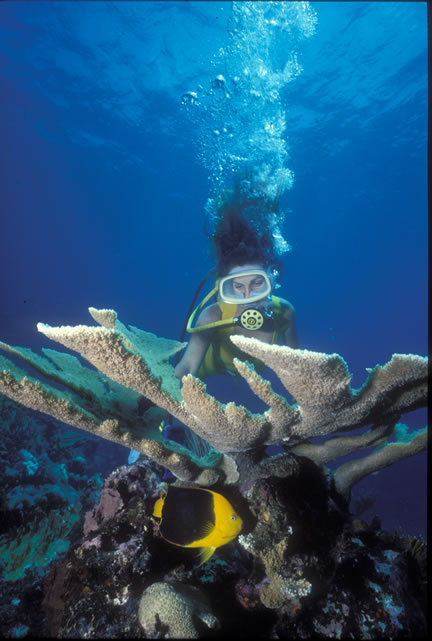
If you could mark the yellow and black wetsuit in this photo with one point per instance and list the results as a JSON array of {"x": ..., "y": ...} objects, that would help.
[{"x": 220, "y": 354}]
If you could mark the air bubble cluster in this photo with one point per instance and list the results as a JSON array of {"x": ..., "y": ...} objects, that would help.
[{"x": 240, "y": 118}]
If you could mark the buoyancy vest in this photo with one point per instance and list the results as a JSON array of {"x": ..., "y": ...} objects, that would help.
[{"x": 221, "y": 352}]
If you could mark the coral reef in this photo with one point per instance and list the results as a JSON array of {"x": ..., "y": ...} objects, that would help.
[
  {"x": 320, "y": 384},
  {"x": 109, "y": 407},
  {"x": 303, "y": 566},
  {"x": 327, "y": 576},
  {"x": 49, "y": 476},
  {"x": 174, "y": 609},
  {"x": 45, "y": 487},
  {"x": 116, "y": 548},
  {"x": 42, "y": 540}
]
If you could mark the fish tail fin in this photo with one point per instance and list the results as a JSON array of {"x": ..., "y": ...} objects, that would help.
[{"x": 204, "y": 554}]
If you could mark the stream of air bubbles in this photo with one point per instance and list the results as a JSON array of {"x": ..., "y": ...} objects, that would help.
[{"x": 240, "y": 119}]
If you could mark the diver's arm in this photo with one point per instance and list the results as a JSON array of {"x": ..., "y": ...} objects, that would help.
[
  {"x": 290, "y": 334},
  {"x": 193, "y": 356},
  {"x": 195, "y": 351}
]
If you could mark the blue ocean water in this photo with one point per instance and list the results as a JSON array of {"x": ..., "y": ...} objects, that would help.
[{"x": 105, "y": 178}]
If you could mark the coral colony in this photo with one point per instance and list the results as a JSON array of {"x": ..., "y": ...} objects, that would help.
[{"x": 303, "y": 566}]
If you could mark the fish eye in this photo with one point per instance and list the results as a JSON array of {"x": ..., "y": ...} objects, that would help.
[{"x": 233, "y": 518}]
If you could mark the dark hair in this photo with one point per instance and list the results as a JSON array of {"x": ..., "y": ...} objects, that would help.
[{"x": 236, "y": 240}]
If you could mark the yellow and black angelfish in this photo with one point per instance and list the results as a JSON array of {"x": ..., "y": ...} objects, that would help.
[{"x": 196, "y": 518}]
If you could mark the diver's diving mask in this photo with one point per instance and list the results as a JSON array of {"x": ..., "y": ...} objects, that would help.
[
  {"x": 244, "y": 287},
  {"x": 240, "y": 287}
]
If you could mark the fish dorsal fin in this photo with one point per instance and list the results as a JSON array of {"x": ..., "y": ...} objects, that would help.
[{"x": 204, "y": 554}]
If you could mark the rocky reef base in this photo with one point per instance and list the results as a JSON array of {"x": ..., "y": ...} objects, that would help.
[{"x": 303, "y": 568}]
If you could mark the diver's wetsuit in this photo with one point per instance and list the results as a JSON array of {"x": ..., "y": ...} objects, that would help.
[{"x": 221, "y": 352}]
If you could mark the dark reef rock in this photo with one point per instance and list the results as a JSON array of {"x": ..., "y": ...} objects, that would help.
[
  {"x": 302, "y": 568},
  {"x": 82, "y": 561}
]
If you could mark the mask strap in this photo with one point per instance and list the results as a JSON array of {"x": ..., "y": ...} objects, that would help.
[{"x": 191, "y": 319}]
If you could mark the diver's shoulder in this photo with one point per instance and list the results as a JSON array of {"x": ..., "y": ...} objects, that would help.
[
  {"x": 286, "y": 307},
  {"x": 209, "y": 314}
]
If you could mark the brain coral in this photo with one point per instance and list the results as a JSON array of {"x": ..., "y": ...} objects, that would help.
[{"x": 175, "y": 607}]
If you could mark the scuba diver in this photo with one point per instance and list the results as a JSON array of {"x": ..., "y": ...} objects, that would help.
[{"x": 246, "y": 276}]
